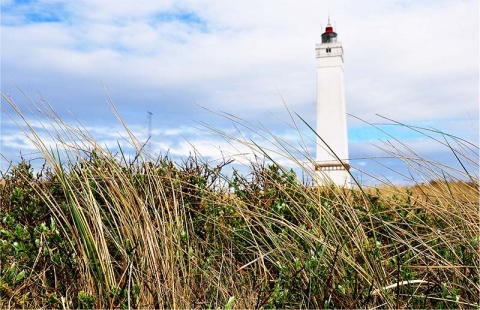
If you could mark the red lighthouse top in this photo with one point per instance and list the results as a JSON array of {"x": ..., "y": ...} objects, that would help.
[
  {"x": 329, "y": 28},
  {"x": 329, "y": 35}
]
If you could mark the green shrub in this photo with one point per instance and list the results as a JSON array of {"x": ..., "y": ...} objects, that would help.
[{"x": 98, "y": 230}]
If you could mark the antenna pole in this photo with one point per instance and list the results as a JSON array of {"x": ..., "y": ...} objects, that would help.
[{"x": 149, "y": 130}]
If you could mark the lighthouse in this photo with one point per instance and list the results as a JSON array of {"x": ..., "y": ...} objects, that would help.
[{"x": 331, "y": 165}]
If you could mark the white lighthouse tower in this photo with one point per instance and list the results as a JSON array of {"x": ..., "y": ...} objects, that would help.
[{"x": 332, "y": 153}]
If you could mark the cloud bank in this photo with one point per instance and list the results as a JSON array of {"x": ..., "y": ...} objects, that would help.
[{"x": 412, "y": 61}]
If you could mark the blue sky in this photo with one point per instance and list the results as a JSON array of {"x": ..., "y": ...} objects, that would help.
[{"x": 415, "y": 62}]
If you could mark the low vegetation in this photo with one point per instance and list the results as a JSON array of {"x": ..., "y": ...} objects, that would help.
[{"x": 96, "y": 229}]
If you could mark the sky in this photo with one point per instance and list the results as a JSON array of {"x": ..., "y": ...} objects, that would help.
[{"x": 198, "y": 65}]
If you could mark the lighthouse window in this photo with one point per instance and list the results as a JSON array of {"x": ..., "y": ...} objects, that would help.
[{"x": 329, "y": 50}]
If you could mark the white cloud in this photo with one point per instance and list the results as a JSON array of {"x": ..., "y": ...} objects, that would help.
[
  {"x": 424, "y": 61},
  {"x": 413, "y": 61}
]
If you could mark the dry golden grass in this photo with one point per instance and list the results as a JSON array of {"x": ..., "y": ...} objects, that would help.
[{"x": 143, "y": 234}]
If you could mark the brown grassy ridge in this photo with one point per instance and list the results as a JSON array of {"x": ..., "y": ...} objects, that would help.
[{"x": 95, "y": 229}]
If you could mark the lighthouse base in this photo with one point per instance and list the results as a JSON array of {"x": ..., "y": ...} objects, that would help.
[{"x": 328, "y": 173}]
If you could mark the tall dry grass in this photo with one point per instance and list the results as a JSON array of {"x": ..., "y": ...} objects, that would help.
[{"x": 151, "y": 233}]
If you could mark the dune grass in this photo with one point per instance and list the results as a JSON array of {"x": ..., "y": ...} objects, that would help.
[{"x": 98, "y": 229}]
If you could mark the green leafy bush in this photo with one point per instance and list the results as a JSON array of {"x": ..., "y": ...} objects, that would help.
[{"x": 93, "y": 229}]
